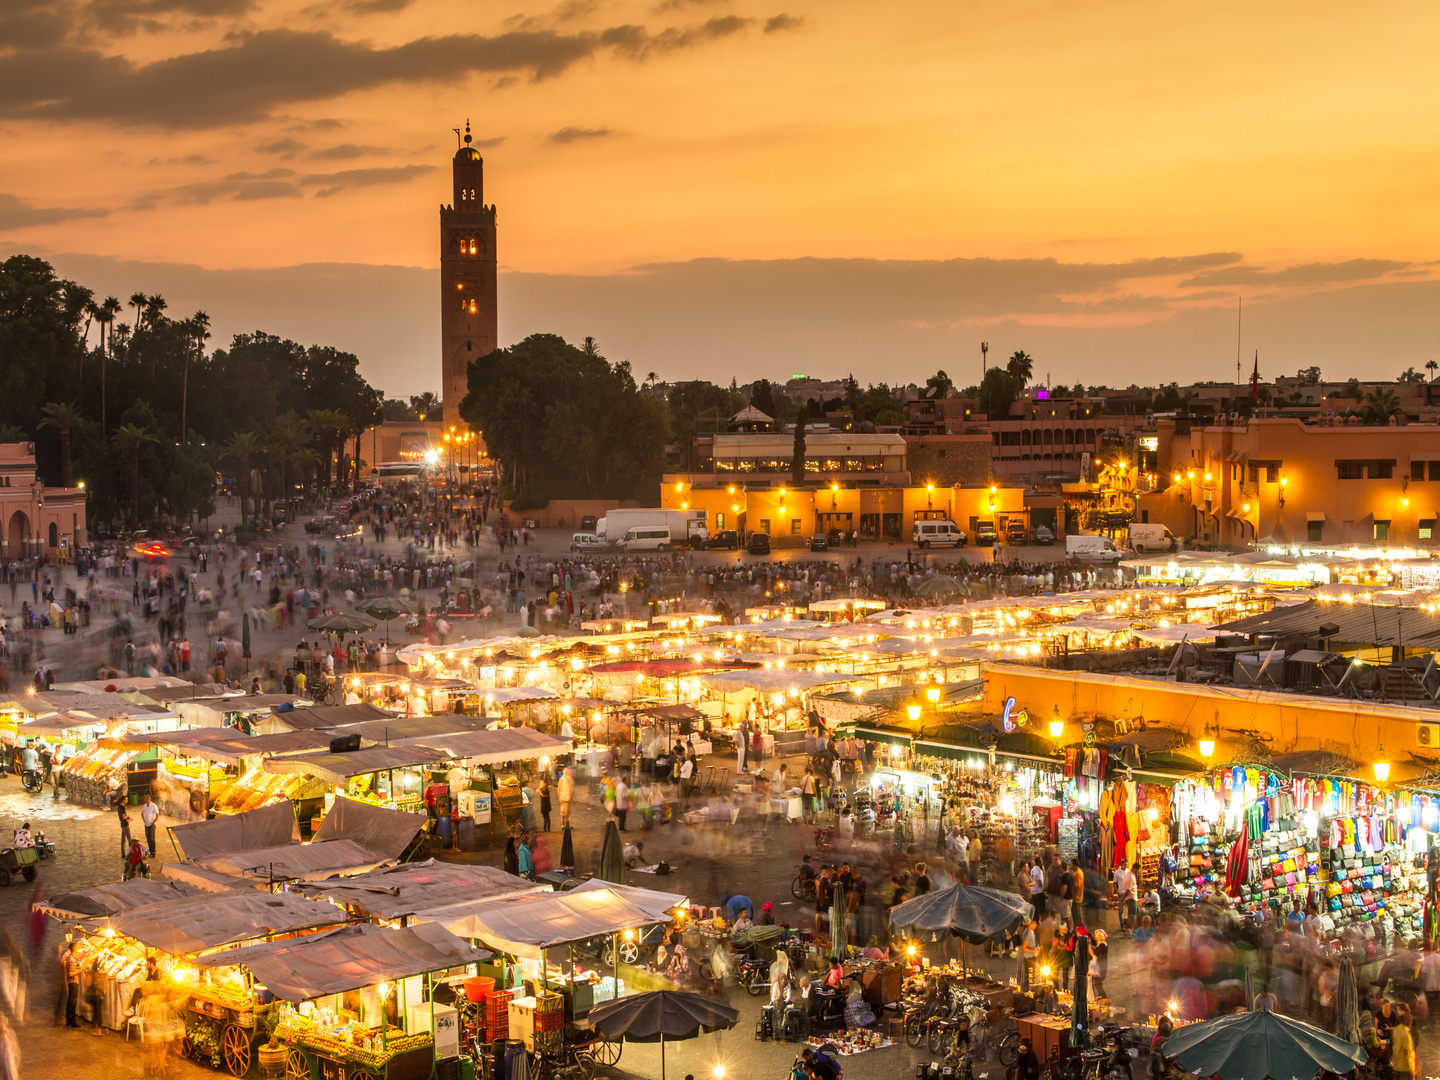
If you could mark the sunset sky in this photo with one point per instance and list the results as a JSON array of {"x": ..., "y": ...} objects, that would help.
[{"x": 754, "y": 187}]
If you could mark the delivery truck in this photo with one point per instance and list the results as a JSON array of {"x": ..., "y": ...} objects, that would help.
[{"x": 685, "y": 525}]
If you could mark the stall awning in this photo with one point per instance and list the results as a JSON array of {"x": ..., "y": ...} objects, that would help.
[
  {"x": 669, "y": 713},
  {"x": 657, "y": 904},
  {"x": 395, "y": 728},
  {"x": 295, "y": 861},
  {"x": 502, "y": 744},
  {"x": 320, "y": 716},
  {"x": 339, "y": 768},
  {"x": 194, "y": 924},
  {"x": 350, "y": 958},
  {"x": 517, "y": 695},
  {"x": 397, "y": 891},
  {"x": 883, "y": 733},
  {"x": 375, "y": 828},
  {"x": 771, "y": 681},
  {"x": 269, "y": 826},
  {"x": 114, "y": 898},
  {"x": 526, "y": 925}
]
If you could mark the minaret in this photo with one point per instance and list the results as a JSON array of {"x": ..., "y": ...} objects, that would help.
[{"x": 467, "y": 279}]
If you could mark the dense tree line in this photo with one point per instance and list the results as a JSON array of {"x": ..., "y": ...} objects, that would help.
[
  {"x": 564, "y": 422},
  {"x": 125, "y": 397}
]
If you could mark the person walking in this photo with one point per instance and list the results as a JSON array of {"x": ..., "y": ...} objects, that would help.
[
  {"x": 70, "y": 988},
  {"x": 149, "y": 812},
  {"x": 622, "y": 801},
  {"x": 544, "y": 792},
  {"x": 567, "y": 794},
  {"x": 123, "y": 814}
]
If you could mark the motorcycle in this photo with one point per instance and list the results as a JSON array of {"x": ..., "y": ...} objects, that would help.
[
  {"x": 824, "y": 839},
  {"x": 753, "y": 973}
]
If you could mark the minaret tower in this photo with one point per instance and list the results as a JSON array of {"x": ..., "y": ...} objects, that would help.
[{"x": 467, "y": 279}]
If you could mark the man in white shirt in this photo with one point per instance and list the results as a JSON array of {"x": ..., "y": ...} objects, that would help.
[
  {"x": 687, "y": 770},
  {"x": 1125, "y": 895},
  {"x": 566, "y": 793},
  {"x": 149, "y": 812},
  {"x": 622, "y": 801},
  {"x": 1037, "y": 887}
]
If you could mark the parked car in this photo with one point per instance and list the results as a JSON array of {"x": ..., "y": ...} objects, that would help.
[
  {"x": 586, "y": 541},
  {"x": 985, "y": 534},
  {"x": 943, "y": 533},
  {"x": 759, "y": 544},
  {"x": 1015, "y": 534},
  {"x": 725, "y": 538},
  {"x": 587, "y": 523},
  {"x": 1044, "y": 536},
  {"x": 1092, "y": 549},
  {"x": 819, "y": 543}
]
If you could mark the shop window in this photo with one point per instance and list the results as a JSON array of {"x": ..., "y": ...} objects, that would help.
[
  {"x": 1382, "y": 530},
  {"x": 1435, "y": 470},
  {"x": 795, "y": 524},
  {"x": 1382, "y": 470},
  {"x": 719, "y": 520},
  {"x": 765, "y": 525},
  {"x": 1427, "y": 528},
  {"x": 1272, "y": 474},
  {"x": 1417, "y": 470},
  {"x": 1350, "y": 470}
]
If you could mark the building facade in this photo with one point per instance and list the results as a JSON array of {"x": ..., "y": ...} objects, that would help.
[
  {"x": 35, "y": 519},
  {"x": 468, "y": 320},
  {"x": 1297, "y": 483}
]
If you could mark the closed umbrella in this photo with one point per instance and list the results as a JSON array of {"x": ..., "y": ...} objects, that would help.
[
  {"x": 1347, "y": 1004},
  {"x": 1080, "y": 1015},
  {"x": 658, "y": 1016},
  {"x": 612, "y": 855},
  {"x": 839, "y": 931},
  {"x": 245, "y": 638},
  {"x": 567, "y": 849},
  {"x": 1260, "y": 1046}
]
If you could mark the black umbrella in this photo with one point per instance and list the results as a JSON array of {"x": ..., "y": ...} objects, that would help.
[
  {"x": 567, "y": 849},
  {"x": 660, "y": 1015},
  {"x": 1260, "y": 1046},
  {"x": 342, "y": 623},
  {"x": 612, "y": 855},
  {"x": 386, "y": 608},
  {"x": 972, "y": 912}
]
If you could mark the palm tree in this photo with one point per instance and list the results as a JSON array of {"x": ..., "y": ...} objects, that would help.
[
  {"x": 306, "y": 459},
  {"x": 154, "y": 308},
  {"x": 198, "y": 329},
  {"x": 128, "y": 439},
  {"x": 288, "y": 436},
  {"x": 1021, "y": 366},
  {"x": 650, "y": 377},
  {"x": 1379, "y": 407},
  {"x": 590, "y": 347},
  {"x": 92, "y": 311},
  {"x": 1430, "y": 366},
  {"x": 328, "y": 425},
  {"x": 242, "y": 447},
  {"x": 64, "y": 417},
  {"x": 108, "y": 311},
  {"x": 138, "y": 301},
  {"x": 10, "y": 433}
]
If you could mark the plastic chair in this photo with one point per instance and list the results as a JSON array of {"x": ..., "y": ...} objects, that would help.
[{"x": 135, "y": 1021}]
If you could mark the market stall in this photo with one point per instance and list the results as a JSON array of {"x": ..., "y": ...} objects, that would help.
[{"x": 356, "y": 1002}]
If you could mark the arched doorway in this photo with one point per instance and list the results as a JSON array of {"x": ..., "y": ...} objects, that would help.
[
  {"x": 15, "y": 535},
  {"x": 54, "y": 535}
]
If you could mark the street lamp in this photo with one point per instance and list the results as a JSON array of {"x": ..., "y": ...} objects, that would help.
[
  {"x": 1381, "y": 766},
  {"x": 913, "y": 711},
  {"x": 1283, "y": 482},
  {"x": 1207, "y": 742},
  {"x": 930, "y": 496},
  {"x": 1057, "y": 726},
  {"x": 933, "y": 693}
]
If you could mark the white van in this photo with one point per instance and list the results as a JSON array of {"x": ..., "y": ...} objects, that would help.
[
  {"x": 1092, "y": 549},
  {"x": 586, "y": 541},
  {"x": 937, "y": 534},
  {"x": 647, "y": 538},
  {"x": 1145, "y": 538}
]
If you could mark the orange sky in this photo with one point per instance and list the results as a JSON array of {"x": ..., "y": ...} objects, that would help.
[{"x": 1297, "y": 138}]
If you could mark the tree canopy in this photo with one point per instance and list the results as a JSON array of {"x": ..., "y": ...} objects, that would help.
[
  {"x": 565, "y": 423},
  {"x": 150, "y": 372}
]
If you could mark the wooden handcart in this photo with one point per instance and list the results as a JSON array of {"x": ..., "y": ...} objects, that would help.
[{"x": 223, "y": 1026}]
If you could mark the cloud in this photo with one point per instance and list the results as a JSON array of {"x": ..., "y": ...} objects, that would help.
[
  {"x": 567, "y": 135},
  {"x": 34, "y": 24},
  {"x": 376, "y": 7},
  {"x": 336, "y": 182},
  {"x": 347, "y": 152},
  {"x": 323, "y": 124},
  {"x": 780, "y": 22},
  {"x": 256, "y": 73},
  {"x": 286, "y": 147},
  {"x": 681, "y": 5},
  {"x": 637, "y": 43},
  {"x": 277, "y": 183},
  {"x": 187, "y": 159},
  {"x": 890, "y": 322},
  {"x": 18, "y": 213},
  {"x": 1306, "y": 274},
  {"x": 485, "y": 144},
  {"x": 132, "y": 16}
]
